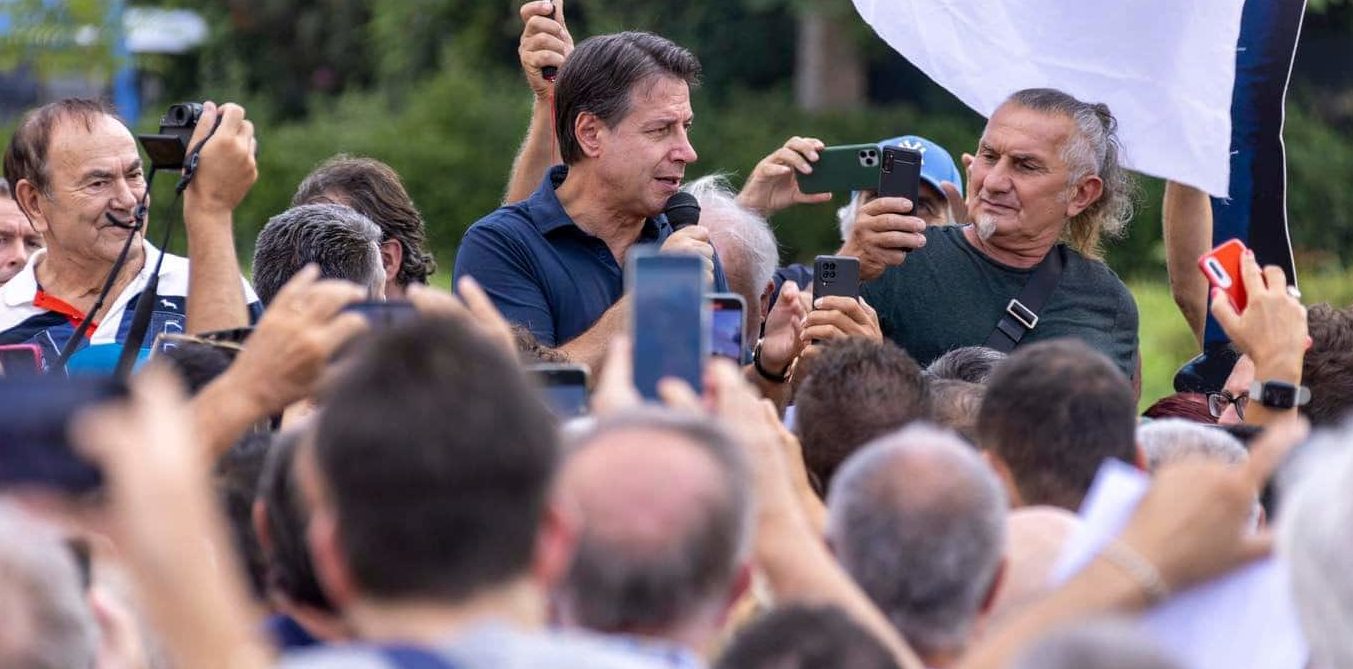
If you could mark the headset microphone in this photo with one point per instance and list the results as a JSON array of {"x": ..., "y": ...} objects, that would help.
[{"x": 134, "y": 225}]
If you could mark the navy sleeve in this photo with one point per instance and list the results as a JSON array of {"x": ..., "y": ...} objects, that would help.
[{"x": 502, "y": 267}]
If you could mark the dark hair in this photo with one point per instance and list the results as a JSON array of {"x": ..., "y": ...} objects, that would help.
[
  {"x": 1053, "y": 412},
  {"x": 1328, "y": 367},
  {"x": 601, "y": 74},
  {"x": 1188, "y": 406},
  {"x": 954, "y": 404},
  {"x": 973, "y": 364},
  {"x": 437, "y": 455},
  {"x": 198, "y": 363},
  {"x": 374, "y": 189},
  {"x": 289, "y": 568},
  {"x": 236, "y": 477},
  {"x": 856, "y": 389},
  {"x": 799, "y": 636},
  {"x": 337, "y": 238},
  {"x": 26, "y": 155},
  {"x": 621, "y": 580}
]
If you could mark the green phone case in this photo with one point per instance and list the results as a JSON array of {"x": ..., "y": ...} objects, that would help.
[{"x": 841, "y": 169}]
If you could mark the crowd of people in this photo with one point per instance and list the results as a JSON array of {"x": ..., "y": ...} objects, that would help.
[{"x": 884, "y": 481}]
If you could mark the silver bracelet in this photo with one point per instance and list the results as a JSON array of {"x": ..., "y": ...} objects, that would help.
[{"x": 1139, "y": 568}]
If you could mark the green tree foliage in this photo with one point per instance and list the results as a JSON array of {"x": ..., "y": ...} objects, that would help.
[{"x": 71, "y": 37}]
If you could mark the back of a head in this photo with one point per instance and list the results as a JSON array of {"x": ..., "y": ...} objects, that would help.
[
  {"x": 1098, "y": 645},
  {"x": 375, "y": 190},
  {"x": 1328, "y": 367},
  {"x": 343, "y": 243},
  {"x": 1052, "y": 413},
  {"x": 598, "y": 76},
  {"x": 805, "y": 637},
  {"x": 236, "y": 479},
  {"x": 918, "y": 520},
  {"x": 289, "y": 570},
  {"x": 1173, "y": 439},
  {"x": 1185, "y": 406},
  {"x": 437, "y": 455},
  {"x": 954, "y": 404},
  {"x": 661, "y": 544},
  {"x": 854, "y": 391},
  {"x": 974, "y": 364},
  {"x": 1314, "y": 543},
  {"x": 1035, "y": 537},
  {"x": 47, "y": 623}
]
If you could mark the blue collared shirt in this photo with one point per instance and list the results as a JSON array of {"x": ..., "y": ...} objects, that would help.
[{"x": 543, "y": 271}]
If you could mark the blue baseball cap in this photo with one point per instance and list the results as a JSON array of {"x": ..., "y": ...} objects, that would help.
[{"x": 936, "y": 163}]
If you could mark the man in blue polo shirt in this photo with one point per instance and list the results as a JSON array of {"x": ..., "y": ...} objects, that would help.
[{"x": 553, "y": 263}]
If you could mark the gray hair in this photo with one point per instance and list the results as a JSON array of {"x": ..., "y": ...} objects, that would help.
[
  {"x": 612, "y": 588},
  {"x": 918, "y": 520},
  {"x": 1098, "y": 645},
  {"x": 1170, "y": 440},
  {"x": 743, "y": 239},
  {"x": 1094, "y": 149},
  {"x": 845, "y": 216},
  {"x": 973, "y": 364},
  {"x": 1314, "y": 542},
  {"x": 40, "y": 584},
  {"x": 344, "y": 243}
]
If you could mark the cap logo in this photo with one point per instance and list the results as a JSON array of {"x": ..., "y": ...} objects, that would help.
[{"x": 913, "y": 145}]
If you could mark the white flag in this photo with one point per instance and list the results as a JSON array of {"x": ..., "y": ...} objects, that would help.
[{"x": 1164, "y": 67}]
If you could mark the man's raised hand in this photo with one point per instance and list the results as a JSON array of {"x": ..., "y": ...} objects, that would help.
[
  {"x": 545, "y": 42},
  {"x": 774, "y": 185}
]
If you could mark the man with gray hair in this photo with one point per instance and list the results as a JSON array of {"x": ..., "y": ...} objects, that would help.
[
  {"x": 47, "y": 622},
  {"x": 918, "y": 520},
  {"x": 344, "y": 243},
  {"x": 666, "y": 520},
  {"x": 745, "y": 244},
  {"x": 1173, "y": 439},
  {"x": 1044, "y": 189}
]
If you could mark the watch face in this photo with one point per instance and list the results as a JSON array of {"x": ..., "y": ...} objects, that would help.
[{"x": 1278, "y": 396}]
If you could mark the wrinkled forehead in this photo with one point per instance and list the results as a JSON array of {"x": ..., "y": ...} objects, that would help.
[
  {"x": 77, "y": 145},
  {"x": 12, "y": 219},
  {"x": 1014, "y": 128},
  {"x": 660, "y": 95}
]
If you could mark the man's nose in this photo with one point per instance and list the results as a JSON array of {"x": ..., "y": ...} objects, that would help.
[
  {"x": 685, "y": 152},
  {"x": 124, "y": 196}
]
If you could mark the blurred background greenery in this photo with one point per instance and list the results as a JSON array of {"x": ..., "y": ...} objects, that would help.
[{"x": 433, "y": 88}]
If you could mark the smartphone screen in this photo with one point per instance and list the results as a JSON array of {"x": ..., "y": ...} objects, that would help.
[
  {"x": 384, "y": 314},
  {"x": 19, "y": 360},
  {"x": 726, "y": 321},
  {"x": 34, "y": 416},
  {"x": 670, "y": 316},
  {"x": 565, "y": 388}
]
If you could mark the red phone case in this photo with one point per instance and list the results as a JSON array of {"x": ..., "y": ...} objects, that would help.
[{"x": 1221, "y": 266}]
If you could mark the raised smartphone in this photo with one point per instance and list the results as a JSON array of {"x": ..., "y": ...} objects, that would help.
[
  {"x": 1221, "y": 266},
  {"x": 18, "y": 360},
  {"x": 900, "y": 174},
  {"x": 842, "y": 169},
  {"x": 34, "y": 416},
  {"x": 670, "y": 319},
  {"x": 836, "y": 275},
  {"x": 726, "y": 323},
  {"x": 565, "y": 387}
]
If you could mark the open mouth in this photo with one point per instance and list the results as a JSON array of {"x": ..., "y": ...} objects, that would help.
[{"x": 674, "y": 182}]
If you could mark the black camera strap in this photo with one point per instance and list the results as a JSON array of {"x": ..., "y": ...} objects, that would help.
[{"x": 1021, "y": 314}]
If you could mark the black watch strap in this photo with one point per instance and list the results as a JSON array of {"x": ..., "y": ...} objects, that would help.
[{"x": 765, "y": 373}]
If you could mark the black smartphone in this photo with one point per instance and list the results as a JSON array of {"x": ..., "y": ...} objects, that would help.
[
  {"x": 836, "y": 275},
  {"x": 842, "y": 169},
  {"x": 34, "y": 416},
  {"x": 18, "y": 360},
  {"x": 565, "y": 387},
  {"x": 726, "y": 326},
  {"x": 670, "y": 318},
  {"x": 383, "y": 314},
  {"x": 900, "y": 175}
]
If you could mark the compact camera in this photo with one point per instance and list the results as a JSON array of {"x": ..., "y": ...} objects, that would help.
[{"x": 168, "y": 149}]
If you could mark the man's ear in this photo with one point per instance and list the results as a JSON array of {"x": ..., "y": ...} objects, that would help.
[
  {"x": 326, "y": 555},
  {"x": 556, "y": 540},
  {"x": 766, "y": 294},
  {"x": 392, "y": 256},
  {"x": 1007, "y": 477},
  {"x": 997, "y": 580},
  {"x": 589, "y": 131},
  {"x": 258, "y": 517},
  {"x": 29, "y": 199},
  {"x": 1085, "y": 193},
  {"x": 1139, "y": 459}
]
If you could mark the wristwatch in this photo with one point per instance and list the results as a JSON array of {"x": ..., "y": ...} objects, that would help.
[
  {"x": 1279, "y": 394},
  {"x": 766, "y": 373}
]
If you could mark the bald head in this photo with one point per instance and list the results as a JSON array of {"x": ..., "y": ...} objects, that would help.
[
  {"x": 1034, "y": 539},
  {"x": 665, "y": 513}
]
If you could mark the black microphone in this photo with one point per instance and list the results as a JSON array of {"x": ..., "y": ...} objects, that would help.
[
  {"x": 682, "y": 210},
  {"x": 134, "y": 225}
]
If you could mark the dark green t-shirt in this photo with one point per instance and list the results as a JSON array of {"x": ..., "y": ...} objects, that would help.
[{"x": 948, "y": 294}]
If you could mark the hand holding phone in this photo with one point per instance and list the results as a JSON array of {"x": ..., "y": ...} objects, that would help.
[
  {"x": 842, "y": 169},
  {"x": 727, "y": 325},
  {"x": 836, "y": 275},
  {"x": 1221, "y": 266}
]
